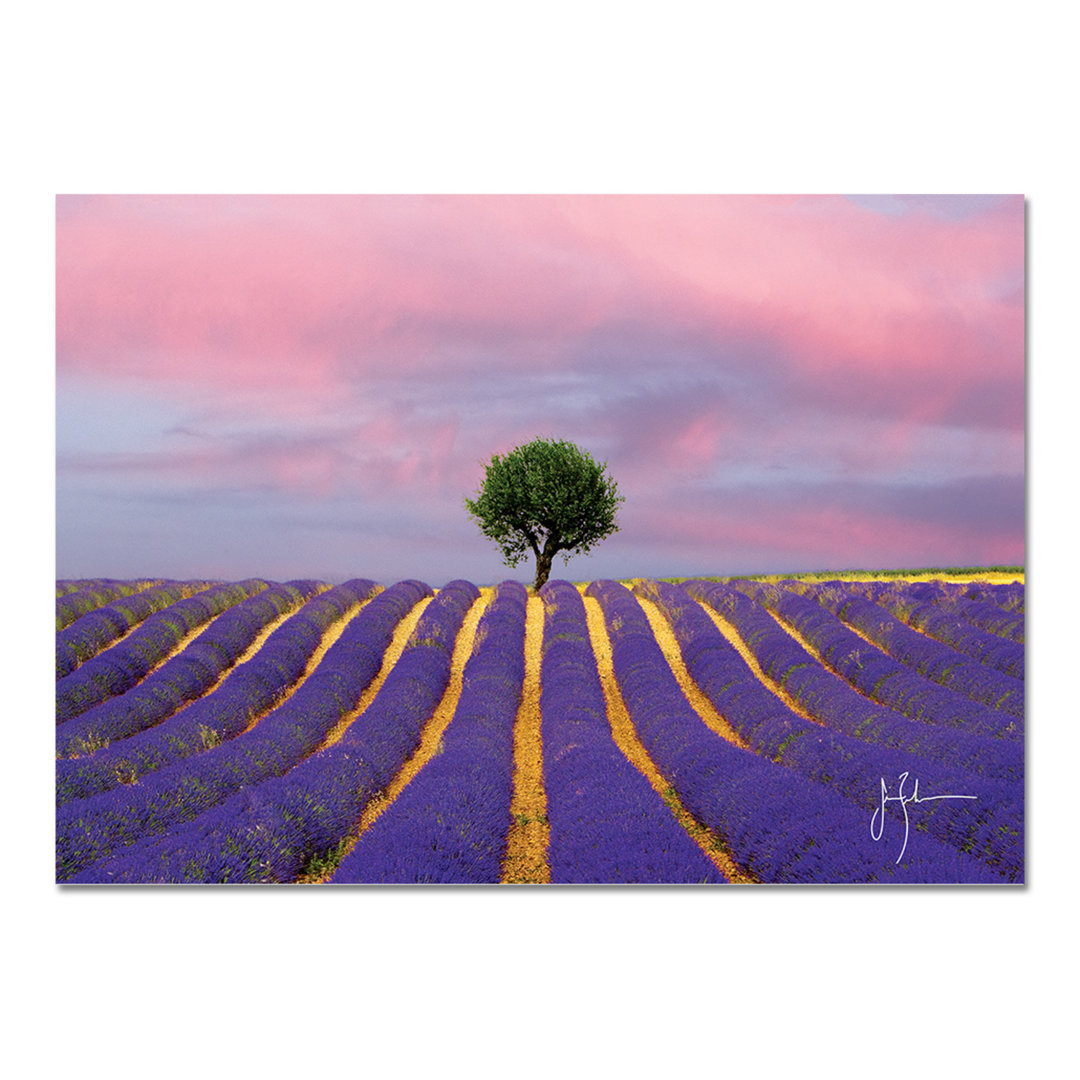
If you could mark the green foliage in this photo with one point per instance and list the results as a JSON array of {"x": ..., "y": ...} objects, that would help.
[{"x": 546, "y": 497}]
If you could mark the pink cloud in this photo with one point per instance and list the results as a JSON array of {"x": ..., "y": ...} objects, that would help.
[
  {"x": 381, "y": 348},
  {"x": 298, "y": 291}
]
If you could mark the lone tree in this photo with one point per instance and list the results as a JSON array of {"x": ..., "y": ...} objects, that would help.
[{"x": 547, "y": 496}]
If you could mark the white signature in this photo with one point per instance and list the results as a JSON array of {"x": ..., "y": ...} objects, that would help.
[{"x": 877, "y": 822}]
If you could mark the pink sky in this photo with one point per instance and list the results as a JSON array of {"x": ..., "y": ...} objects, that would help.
[{"x": 308, "y": 385}]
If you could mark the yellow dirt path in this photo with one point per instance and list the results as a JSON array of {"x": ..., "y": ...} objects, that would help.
[
  {"x": 527, "y": 841},
  {"x": 669, "y": 646},
  {"x": 330, "y": 636},
  {"x": 393, "y": 652},
  {"x": 94, "y": 743},
  {"x": 622, "y": 730},
  {"x": 430, "y": 741},
  {"x": 813, "y": 652},
  {"x": 185, "y": 593},
  {"x": 735, "y": 639}
]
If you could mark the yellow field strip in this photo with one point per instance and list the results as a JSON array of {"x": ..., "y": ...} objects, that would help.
[
  {"x": 669, "y": 646},
  {"x": 402, "y": 633},
  {"x": 989, "y": 577},
  {"x": 527, "y": 841},
  {"x": 188, "y": 639},
  {"x": 250, "y": 652},
  {"x": 244, "y": 657},
  {"x": 430, "y": 742},
  {"x": 813, "y": 652},
  {"x": 185, "y": 594},
  {"x": 735, "y": 639},
  {"x": 622, "y": 730},
  {"x": 333, "y": 632}
]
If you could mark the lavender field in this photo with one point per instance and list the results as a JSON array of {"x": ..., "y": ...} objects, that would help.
[{"x": 701, "y": 732}]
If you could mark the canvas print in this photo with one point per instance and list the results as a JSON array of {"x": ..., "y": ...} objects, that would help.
[{"x": 540, "y": 540}]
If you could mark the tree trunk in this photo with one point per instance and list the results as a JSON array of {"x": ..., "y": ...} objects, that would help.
[{"x": 543, "y": 563}]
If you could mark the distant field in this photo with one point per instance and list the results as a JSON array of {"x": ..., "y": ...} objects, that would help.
[
  {"x": 995, "y": 575},
  {"x": 862, "y": 727}
]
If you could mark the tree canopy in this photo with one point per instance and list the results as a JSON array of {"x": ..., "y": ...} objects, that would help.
[{"x": 548, "y": 496}]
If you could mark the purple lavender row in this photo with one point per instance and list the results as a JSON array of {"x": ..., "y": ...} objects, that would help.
[
  {"x": 988, "y": 616},
  {"x": 92, "y": 828},
  {"x": 947, "y": 627},
  {"x": 249, "y": 691},
  {"x": 607, "y": 824},
  {"x": 1009, "y": 596},
  {"x": 127, "y": 663},
  {"x": 450, "y": 823},
  {"x": 942, "y": 606},
  {"x": 184, "y": 677},
  {"x": 779, "y": 826},
  {"x": 989, "y": 827},
  {"x": 1002, "y": 606},
  {"x": 933, "y": 660},
  {"x": 880, "y": 677},
  {"x": 69, "y": 585},
  {"x": 997, "y": 609},
  {"x": 97, "y": 630},
  {"x": 269, "y": 831},
  {"x": 838, "y": 705},
  {"x": 1005, "y": 598},
  {"x": 73, "y": 605}
]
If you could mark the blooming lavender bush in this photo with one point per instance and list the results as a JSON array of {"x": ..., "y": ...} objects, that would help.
[
  {"x": 128, "y": 662},
  {"x": 90, "y": 829},
  {"x": 450, "y": 823},
  {"x": 778, "y": 825},
  {"x": 70, "y": 585},
  {"x": 990, "y": 827},
  {"x": 270, "y": 830},
  {"x": 1006, "y": 595},
  {"x": 97, "y": 630},
  {"x": 76, "y": 603},
  {"x": 607, "y": 824},
  {"x": 930, "y": 658},
  {"x": 950, "y": 629},
  {"x": 249, "y": 690},
  {"x": 985, "y": 614},
  {"x": 882, "y": 678},
  {"x": 181, "y": 679},
  {"x": 834, "y": 702}
]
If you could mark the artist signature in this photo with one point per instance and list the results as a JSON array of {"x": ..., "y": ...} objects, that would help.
[{"x": 877, "y": 822}]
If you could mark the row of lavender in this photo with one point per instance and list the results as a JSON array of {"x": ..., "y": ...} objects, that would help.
[
  {"x": 607, "y": 823},
  {"x": 782, "y": 806},
  {"x": 220, "y": 797},
  {"x": 135, "y": 704},
  {"x": 992, "y": 633},
  {"x": 113, "y": 822},
  {"x": 922, "y": 652},
  {"x": 117, "y": 669},
  {"x": 91, "y": 631},
  {"x": 74, "y": 599},
  {"x": 155, "y": 740},
  {"x": 847, "y": 740},
  {"x": 451, "y": 822}
]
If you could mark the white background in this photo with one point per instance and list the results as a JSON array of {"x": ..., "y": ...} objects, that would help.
[{"x": 468, "y": 96}]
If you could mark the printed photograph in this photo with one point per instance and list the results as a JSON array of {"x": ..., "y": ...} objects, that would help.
[{"x": 540, "y": 539}]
